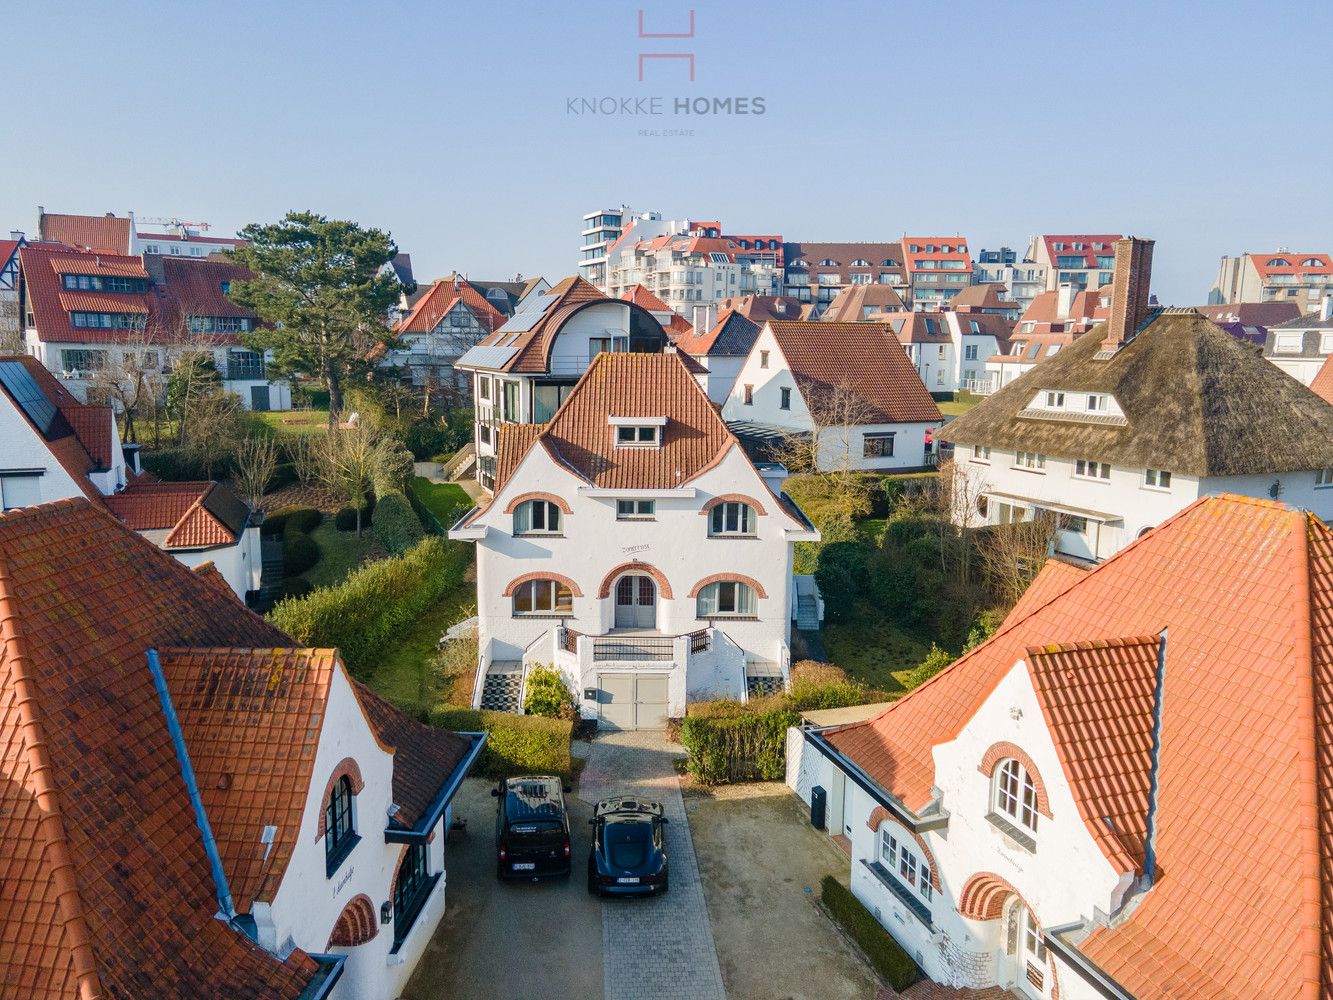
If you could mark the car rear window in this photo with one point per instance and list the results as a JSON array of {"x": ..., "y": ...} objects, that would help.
[
  {"x": 537, "y": 832},
  {"x": 628, "y": 844}
]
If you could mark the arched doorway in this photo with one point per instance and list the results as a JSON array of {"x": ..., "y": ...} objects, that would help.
[
  {"x": 636, "y": 601},
  {"x": 1027, "y": 952}
]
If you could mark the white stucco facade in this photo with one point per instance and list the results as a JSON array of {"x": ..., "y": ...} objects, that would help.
[
  {"x": 765, "y": 392},
  {"x": 671, "y": 554},
  {"x": 1058, "y": 873}
]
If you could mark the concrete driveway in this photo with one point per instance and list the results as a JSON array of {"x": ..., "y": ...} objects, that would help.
[{"x": 511, "y": 939}]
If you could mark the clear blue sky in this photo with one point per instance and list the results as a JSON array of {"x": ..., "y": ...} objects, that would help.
[{"x": 1200, "y": 124}]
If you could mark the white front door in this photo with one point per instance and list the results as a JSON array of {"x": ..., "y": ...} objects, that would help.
[{"x": 636, "y": 602}]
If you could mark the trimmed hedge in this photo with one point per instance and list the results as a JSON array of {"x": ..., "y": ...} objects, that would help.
[
  {"x": 396, "y": 524},
  {"x": 305, "y": 519},
  {"x": 300, "y": 552},
  {"x": 369, "y": 609},
  {"x": 749, "y": 747},
  {"x": 345, "y": 519},
  {"x": 515, "y": 744},
  {"x": 885, "y": 954}
]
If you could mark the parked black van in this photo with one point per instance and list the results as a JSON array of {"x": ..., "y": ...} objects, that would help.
[{"x": 531, "y": 828}]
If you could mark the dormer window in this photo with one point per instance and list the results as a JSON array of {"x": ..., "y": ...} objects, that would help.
[
  {"x": 638, "y": 432},
  {"x": 1055, "y": 400},
  {"x": 1096, "y": 403}
]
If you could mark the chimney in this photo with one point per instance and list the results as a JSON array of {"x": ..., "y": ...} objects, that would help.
[
  {"x": 1064, "y": 300},
  {"x": 16, "y": 234},
  {"x": 1129, "y": 291},
  {"x": 704, "y": 318}
]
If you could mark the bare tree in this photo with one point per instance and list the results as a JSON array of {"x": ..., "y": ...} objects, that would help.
[
  {"x": 359, "y": 460},
  {"x": 132, "y": 382},
  {"x": 256, "y": 459},
  {"x": 1013, "y": 554},
  {"x": 828, "y": 452},
  {"x": 952, "y": 498},
  {"x": 304, "y": 451}
]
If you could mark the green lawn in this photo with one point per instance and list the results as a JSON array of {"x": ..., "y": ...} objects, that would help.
[
  {"x": 447, "y": 501},
  {"x": 960, "y": 404},
  {"x": 295, "y": 421},
  {"x": 873, "y": 650},
  {"x": 340, "y": 553},
  {"x": 402, "y": 675}
]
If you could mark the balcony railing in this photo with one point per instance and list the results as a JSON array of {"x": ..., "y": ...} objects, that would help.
[
  {"x": 637, "y": 648},
  {"x": 237, "y": 370}
]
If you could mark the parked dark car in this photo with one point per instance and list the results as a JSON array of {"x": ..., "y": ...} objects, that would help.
[
  {"x": 628, "y": 855},
  {"x": 531, "y": 828}
]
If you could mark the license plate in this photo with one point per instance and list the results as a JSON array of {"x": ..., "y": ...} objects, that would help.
[
  {"x": 628, "y": 881},
  {"x": 527, "y": 866}
]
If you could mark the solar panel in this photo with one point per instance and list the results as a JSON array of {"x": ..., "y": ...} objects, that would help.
[
  {"x": 520, "y": 322},
  {"x": 20, "y": 384},
  {"x": 537, "y": 303}
]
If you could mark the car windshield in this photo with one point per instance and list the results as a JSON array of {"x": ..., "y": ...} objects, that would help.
[
  {"x": 538, "y": 833},
  {"x": 628, "y": 844}
]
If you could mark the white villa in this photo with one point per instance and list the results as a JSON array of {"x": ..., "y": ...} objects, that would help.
[
  {"x": 812, "y": 377},
  {"x": 1073, "y": 810},
  {"x": 1136, "y": 419},
  {"x": 56, "y": 447},
  {"x": 631, "y": 543},
  {"x": 195, "y": 809},
  {"x": 524, "y": 370}
]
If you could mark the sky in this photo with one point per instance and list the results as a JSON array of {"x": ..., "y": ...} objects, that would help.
[{"x": 1202, "y": 125}]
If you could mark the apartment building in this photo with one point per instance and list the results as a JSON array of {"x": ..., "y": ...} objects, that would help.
[
  {"x": 1280, "y": 276},
  {"x": 816, "y": 272},
  {"x": 1024, "y": 278},
  {"x": 936, "y": 268},
  {"x": 1084, "y": 260}
]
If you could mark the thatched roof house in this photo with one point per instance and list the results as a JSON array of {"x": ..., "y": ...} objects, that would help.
[{"x": 1192, "y": 400}]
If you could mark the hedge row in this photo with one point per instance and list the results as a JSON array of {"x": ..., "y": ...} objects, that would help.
[
  {"x": 367, "y": 611},
  {"x": 396, "y": 524},
  {"x": 515, "y": 744},
  {"x": 885, "y": 954},
  {"x": 748, "y": 747}
]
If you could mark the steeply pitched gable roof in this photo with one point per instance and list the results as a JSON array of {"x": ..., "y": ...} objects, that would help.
[
  {"x": 441, "y": 298},
  {"x": 731, "y": 336},
  {"x": 99, "y": 233},
  {"x": 528, "y": 349},
  {"x": 105, "y": 877},
  {"x": 863, "y": 358},
  {"x": 1196, "y": 403},
  {"x": 853, "y": 303},
  {"x": 1244, "y": 589}
]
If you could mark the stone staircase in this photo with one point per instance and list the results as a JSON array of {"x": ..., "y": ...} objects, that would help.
[
  {"x": 270, "y": 577},
  {"x": 502, "y": 690},
  {"x": 462, "y": 464},
  {"x": 807, "y": 613}
]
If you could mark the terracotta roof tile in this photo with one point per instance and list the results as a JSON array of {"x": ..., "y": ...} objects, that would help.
[
  {"x": 441, "y": 298},
  {"x": 732, "y": 336},
  {"x": 511, "y": 444},
  {"x": 1322, "y": 386},
  {"x": 864, "y": 358},
  {"x": 41, "y": 268},
  {"x": 1055, "y": 578},
  {"x": 581, "y": 437},
  {"x": 103, "y": 233},
  {"x": 643, "y": 297},
  {"x": 138, "y": 889},
  {"x": 194, "y": 288},
  {"x": 1245, "y": 590},
  {"x": 853, "y": 303}
]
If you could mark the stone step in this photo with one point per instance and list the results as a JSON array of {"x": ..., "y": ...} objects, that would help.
[{"x": 501, "y": 691}]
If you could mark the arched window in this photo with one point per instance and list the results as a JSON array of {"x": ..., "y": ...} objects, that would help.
[
  {"x": 543, "y": 597},
  {"x": 731, "y": 518},
  {"x": 410, "y": 891},
  {"x": 339, "y": 824},
  {"x": 860, "y": 262},
  {"x": 1279, "y": 262},
  {"x": 1312, "y": 262},
  {"x": 727, "y": 599},
  {"x": 828, "y": 262},
  {"x": 1015, "y": 795},
  {"x": 888, "y": 263},
  {"x": 537, "y": 517}
]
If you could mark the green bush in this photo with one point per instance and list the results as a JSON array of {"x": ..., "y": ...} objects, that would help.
[
  {"x": 304, "y": 519},
  {"x": 515, "y": 744},
  {"x": 741, "y": 748},
  {"x": 299, "y": 553},
  {"x": 822, "y": 685},
  {"x": 370, "y": 609},
  {"x": 547, "y": 695},
  {"x": 841, "y": 576},
  {"x": 175, "y": 464},
  {"x": 885, "y": 954},
  {"x": 345, "y": 519},
  {"x": 295, "y": 587},
  {"x": 396, "y": 524},
  {"x": 936, "y": 660},
  {"x": 426, "y": 437}
]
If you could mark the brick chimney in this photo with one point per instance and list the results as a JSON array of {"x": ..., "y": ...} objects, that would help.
[{"x": 1129, "y": 291}]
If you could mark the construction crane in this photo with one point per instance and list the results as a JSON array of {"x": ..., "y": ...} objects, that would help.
[{"x": 181, "y": 223}]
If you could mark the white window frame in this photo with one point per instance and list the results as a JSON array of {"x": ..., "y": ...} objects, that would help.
[
  {"x": 636, "y": 510},
  {"x": 981, "y": 454},
  {"x": 744, "y": 600},
  {"x": 525, "y": 515},
  {"x": 1157, "y": 479},
  {"x": 1086, "y": 468},
  {"x": 1014, "y": 794},
  {"x": 1030, "y": 461},
  {"x": 1055, "y": 400},
  {"x": 1323, "y": 478},
  {"x": 553, "y": 588},
  {"x": 638, "y": 436},
  {"x": 911, "y": 871},
  {"x": 745, "y": 520}
]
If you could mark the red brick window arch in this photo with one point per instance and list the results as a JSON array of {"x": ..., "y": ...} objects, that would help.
[
  {"x": 733, "y": 516},
  {"x": 905, "y": 856},
  {"x": 347, "y": 768},
  {"x": 663, "y": 584},
  {"x": 1017, "y": 789},
  {"x": 356, "y": 924}
]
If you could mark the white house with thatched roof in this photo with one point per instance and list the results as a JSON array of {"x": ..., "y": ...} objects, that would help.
[{"x": 1136, "y": 419}]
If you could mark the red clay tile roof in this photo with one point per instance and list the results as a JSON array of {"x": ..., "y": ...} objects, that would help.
[
  {"x": 864, "y": 358},
  {"x": 94, "y": 426},
  {"x": 106, "y": 883},
  {"x": 199, "y": 515},
  {"x": 424, "y": 757},
  {"x": 987, "y": 295},
  {"x": 41, "y": 268},
  {"x": 1322, "y": 386},
  {"x": 1089, "y": 254},
  {"x": 437, "y": 303},
  {"x": 581, "y": 438},
  {"x": 1055, "y": 578},
  {"x": 252, "y": 720},
  {"x": 512, "y": 442},
  {"x": 533, "y": 345},
  {"x": 732, "y": 336},
  {"x": 102, "y": 233},
  {"x": 1245, "y": 590},
  {"x": 850, "y": 305},
  {"x": 1097, "y": 698},
  {"x": 1295, "y": 263},
  {"x": 194, "y": 288},
  {"x": 643, "y": 297},
  {"x": 7, "y": 250}
]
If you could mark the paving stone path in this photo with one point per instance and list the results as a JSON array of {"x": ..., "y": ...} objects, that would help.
[{"x": 662, "y": 948}]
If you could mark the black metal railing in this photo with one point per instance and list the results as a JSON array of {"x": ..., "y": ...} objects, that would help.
[
  {"x": 653, "y": 648},
  {"x": 246, "y": 370},
  {"x": 700, "y": 641}
]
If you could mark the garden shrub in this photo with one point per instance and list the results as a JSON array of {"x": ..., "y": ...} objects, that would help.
[
  {"x": 299, "y": 553},
  {"x": 885, "y": 954},
  {"x": 396, "y": 524},
  {"x": 547, "y": 695},
  {"x": 305, "y": 519},
  {"x": 936, "y": 660},
  {"x": 842, "y": 578},
  {"x": 369, "y": 609},
  {"x": 515, "y": 744},
  {"x": 345, "y": 519},
  {"x": 742, "y": 748},
  {"x": 295, "y": 587},
  {"x": 175, "y": 464},
  {"x": 426, "y": 437},
  {"x": 822, "y": 685}
]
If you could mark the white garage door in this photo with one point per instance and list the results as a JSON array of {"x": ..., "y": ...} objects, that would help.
[{"x": 633, "y": 701}]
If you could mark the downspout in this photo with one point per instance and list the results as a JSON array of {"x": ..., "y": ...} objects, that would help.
[
  {"x": 41, "y": 771},
  {"x": 1150, "y": 829},
  {"x": 227, "y": 910}
]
